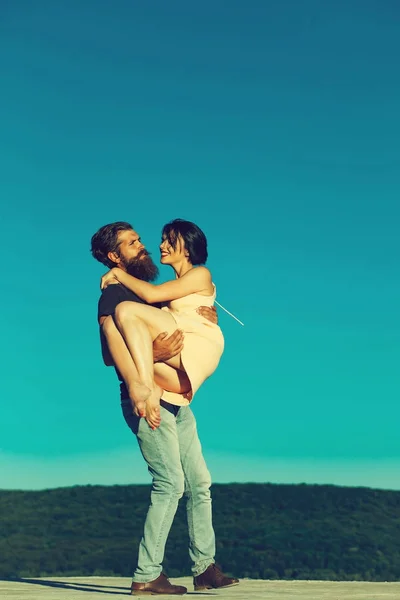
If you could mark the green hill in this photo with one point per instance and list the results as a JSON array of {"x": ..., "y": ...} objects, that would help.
[{"x": 263, "y": 531}]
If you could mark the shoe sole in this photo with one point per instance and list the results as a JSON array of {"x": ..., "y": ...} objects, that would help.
[
  {"x": 146, "y": 593},
  {"x": 198, "y": 588}
]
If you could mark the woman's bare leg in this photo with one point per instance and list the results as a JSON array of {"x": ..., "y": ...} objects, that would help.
[
  {"x": 123, "y": 361},
  {"x": 142, "y": 389},
  {"x": 171, "y": 379},
  {"x": 139, "y": 325},
  {"x": 165, "y": 376}
]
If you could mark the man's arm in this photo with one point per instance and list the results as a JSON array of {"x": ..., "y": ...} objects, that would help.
[
  {"x": 164, "y": 346},
  {"x": 105, "y": 352},
  {"x": 108, "y": 302}
]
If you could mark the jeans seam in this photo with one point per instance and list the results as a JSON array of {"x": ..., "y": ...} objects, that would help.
[
  {"x": 165, "y": 464},
  {"x": 189, "y": 501},
  {"x": 203, "y": 564},
  {"x": 149, "y": 564}
]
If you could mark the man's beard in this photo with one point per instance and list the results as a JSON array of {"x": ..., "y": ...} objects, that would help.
[{"x": 141, "y": 267}]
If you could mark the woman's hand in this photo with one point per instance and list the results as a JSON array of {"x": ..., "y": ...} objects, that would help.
[{"x": 109, "y": 278}]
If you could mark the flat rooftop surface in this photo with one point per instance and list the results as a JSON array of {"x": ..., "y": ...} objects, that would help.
[{"x": 107, "y": 588}]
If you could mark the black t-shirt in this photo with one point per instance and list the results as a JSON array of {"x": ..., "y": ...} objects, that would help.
[
  {"x": 110, "y": 297},
  {"x": 113, "y": 295}
]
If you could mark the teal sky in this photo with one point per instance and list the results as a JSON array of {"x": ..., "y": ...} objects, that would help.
[{"x": 275, "y": 127}]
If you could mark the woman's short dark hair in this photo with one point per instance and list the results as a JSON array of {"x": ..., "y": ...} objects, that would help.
[
  {"x": 194, "y": 238},
  {"x": 105, "y": 240}
]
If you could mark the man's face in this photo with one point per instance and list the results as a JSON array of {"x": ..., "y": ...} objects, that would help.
[{"x": 133, "y": 257}]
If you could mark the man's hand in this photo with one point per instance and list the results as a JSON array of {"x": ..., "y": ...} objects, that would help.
[
  {"x": 165, "y": 347},
  {"x": 209, "y": 313}
]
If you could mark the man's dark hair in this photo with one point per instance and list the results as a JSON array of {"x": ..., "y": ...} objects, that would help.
[
  {"x": 105, "y": 240},
  {"x": 194, "y": 238}
]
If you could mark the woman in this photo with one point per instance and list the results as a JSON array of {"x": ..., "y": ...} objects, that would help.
[{"x": 184, "y": 248}]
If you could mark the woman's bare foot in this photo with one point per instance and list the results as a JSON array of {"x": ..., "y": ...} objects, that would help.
[
  {"x": 153, "y": 416},
  {"x": 139, "y": 393}
]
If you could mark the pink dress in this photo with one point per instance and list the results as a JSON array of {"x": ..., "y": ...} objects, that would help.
[{"x": 203, "y": 343}]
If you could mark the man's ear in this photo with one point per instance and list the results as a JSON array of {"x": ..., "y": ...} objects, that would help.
[{"x": 113, "y": 256}]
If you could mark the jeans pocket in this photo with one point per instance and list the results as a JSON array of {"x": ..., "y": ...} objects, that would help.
[{"x": 130, "y": 418}]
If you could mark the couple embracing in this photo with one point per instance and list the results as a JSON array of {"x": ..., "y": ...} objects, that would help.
[{"x": 164, "y": 341}]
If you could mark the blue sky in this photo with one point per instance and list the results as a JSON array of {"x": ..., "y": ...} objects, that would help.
[{"x": 273, "y": 126}]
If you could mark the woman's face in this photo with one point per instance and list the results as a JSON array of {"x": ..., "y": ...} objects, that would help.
[{"x": 169, "y": 254}]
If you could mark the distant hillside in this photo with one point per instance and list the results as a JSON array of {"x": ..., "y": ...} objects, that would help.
[{"x": 263, "y": 531}]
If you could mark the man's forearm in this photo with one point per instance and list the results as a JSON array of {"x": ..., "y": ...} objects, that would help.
[
  {"x": 105, "y": 351},
  {"x": 107, "y": 358},
  {"x": 163, "y": 347}
]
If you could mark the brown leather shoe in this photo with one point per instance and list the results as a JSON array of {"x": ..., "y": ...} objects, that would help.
[
  {"x": 161, "y": 585},
  {"x": 213, "y": 578}
]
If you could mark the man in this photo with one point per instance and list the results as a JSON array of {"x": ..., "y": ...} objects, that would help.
[{"x": 172, "y": 451}]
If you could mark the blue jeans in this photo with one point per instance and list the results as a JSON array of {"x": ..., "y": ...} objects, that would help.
[{"x": 175, "y": 461}]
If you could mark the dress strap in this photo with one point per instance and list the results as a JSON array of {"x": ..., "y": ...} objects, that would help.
[{"x": 229, "y": 313}]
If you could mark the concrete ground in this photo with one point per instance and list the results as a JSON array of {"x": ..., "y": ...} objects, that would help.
[{"x": 107, "y": 588}]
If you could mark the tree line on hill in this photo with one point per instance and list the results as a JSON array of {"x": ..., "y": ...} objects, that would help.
[{"x": 263, "y": 531}]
